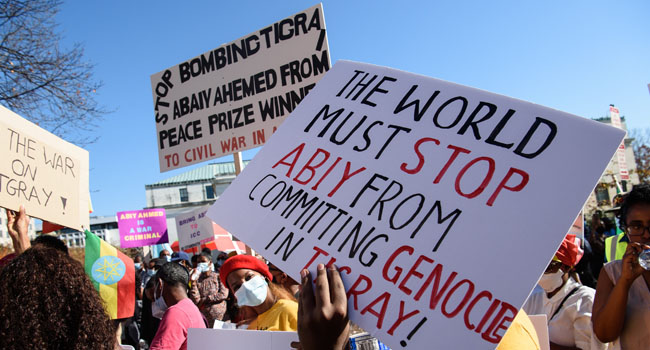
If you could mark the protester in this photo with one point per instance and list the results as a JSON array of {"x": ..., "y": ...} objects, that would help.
[
  {"x": 207, "y": 291},
  {"x": 166, "y": 255},
  {"x": 221, "y": 258},
  {"x": 597, "y": 232},
  {"x": 172, "y": 304},
  {"x": 283, "y": 280},
  {"x": 149, "y": 324},
  {"x": 154, "y": 266},
  {"x": 138, "y": 263},
  {"x": 565, "y": 301},
  {"x": 195, "y": 260},
  {"x": 183, "y": 259},
  {"x": 621, "y": 312},
  {"x": 51, "y": 242},
  {"x": 48, "y": 302},
  {"x": 248, "y": 278}
]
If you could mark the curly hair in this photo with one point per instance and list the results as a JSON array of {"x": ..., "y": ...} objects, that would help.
[
  {"x": 48, "y": 302},
  {"x": 640, "y": 194}
]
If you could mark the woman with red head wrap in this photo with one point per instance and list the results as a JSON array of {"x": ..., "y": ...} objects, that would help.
[
  {"x": 565, "y": 301},
  {"x": 248, "y": 278}
]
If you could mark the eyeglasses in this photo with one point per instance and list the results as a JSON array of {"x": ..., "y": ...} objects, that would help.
[{"x": 636, "y": 229}]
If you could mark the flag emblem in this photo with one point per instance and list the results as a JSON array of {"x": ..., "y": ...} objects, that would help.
[{"x": 108, "y": 270}]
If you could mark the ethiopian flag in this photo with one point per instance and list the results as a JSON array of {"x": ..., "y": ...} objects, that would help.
[{"x": 112, "y": 274}]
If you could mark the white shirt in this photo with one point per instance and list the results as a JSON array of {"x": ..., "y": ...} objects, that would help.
[
  {"x": 636, "y": 329},
  {"x": 571, "y": 326}
]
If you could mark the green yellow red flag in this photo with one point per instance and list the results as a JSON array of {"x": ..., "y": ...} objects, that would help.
[{"x": 112, "y": 274}]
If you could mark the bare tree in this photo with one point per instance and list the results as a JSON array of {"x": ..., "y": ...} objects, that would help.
[
  {"x": 641, "y": 148},
  {"x": 43, "y": 82}
]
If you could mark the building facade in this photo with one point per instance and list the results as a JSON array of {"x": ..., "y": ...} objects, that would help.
[
  {"x": 190, "y": 190},
  {"x": 194, "y": 188},
  {"x": 5, "y": 240},
  {"x": 105, "y": 227},
  {"x": 178, "y": 194},
  {"x": 610, "y": 182}
]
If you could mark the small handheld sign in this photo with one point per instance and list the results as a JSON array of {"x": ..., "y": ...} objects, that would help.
[
  {"x": 193, "y": 227},
  {"x": 139, "y": 228}
]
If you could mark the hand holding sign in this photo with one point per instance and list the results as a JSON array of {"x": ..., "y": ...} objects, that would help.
[
  {"x": 17, "y": 225},
  {"x": 323, "y": 312}
]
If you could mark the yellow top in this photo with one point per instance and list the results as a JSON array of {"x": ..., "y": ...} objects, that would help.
[
  {"x": 282, "y": 316},
  {"x": 521, "y": 335}
]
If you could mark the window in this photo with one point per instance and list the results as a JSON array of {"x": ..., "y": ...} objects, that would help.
[
  {"x": 602, "y": 194},
  {"x": 209, "y": 192},
  {"x": 183, "y": 193}
]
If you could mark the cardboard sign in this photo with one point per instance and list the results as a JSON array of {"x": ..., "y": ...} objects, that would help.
[
  {"x": 233, "y": 98},
  {"x": 201, "y": 339},
  {"x": 193, "y": 227},
  {"x": 139, "y": 228},
  {"x": 442, "y": 204},
  {"x": 43, "y": 172}
]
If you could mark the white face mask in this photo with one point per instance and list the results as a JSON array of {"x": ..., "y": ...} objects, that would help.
[
  {"x": 252, "y": 292},
  {"x": 551, "y": 281},
  {"x": 204, "y": 267},
  {"x": 159, "y": 307}
]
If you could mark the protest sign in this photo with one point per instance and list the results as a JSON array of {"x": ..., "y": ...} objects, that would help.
[
  {"x": 233, "y": 98},
  {"x": 201, "y": 339},
  {"x": 577, "y": 228},
  {"x": 139, "y": 228},
  {"x": 620, "y": 153},
  {"x": 541, "y": 328},
  {"x": 43, "y": 172},
  {"x": 193, "y": 227},
  {"x": 441, "y": 204}
]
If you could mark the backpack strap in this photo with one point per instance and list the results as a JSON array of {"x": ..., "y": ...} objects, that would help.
[{"x": 562, "y": 302}]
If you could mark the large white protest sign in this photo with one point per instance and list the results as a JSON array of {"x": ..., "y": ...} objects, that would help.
[
  {"x": 202, "y": 339},
  {"x": 233, "y": 98},
  {"x": 43, "y": 172},
  {"x": 442, "y": 204},
  {"x": 193, "y": 227}
]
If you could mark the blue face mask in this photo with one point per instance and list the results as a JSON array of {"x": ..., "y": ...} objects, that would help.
[
  {"x": 137, "y": 266},
  {"x": 252, "y": 292},
  {"x": 168, "y": 258},
  {"x": 151, "y": 273}
]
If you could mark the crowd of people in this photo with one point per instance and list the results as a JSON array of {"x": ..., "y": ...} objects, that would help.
[{"x": 48, "y": 302}]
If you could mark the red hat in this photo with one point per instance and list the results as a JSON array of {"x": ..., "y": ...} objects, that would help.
[
  {"x": 570, "y": 251},
  {"x": 243, "y": 262}
]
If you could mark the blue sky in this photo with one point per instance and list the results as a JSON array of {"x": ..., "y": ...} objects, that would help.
[{"x": 575, "y": 56}]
